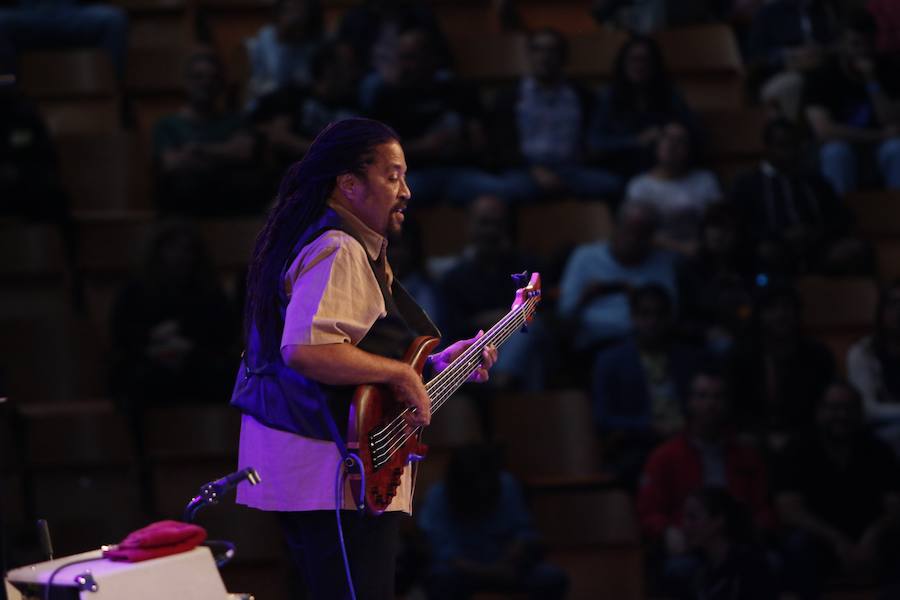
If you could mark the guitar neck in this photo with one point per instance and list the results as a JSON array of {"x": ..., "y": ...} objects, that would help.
[{"x": 445, "y": 383}]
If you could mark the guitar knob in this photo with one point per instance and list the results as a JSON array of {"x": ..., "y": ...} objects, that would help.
[{"x": 413, "y": 457}]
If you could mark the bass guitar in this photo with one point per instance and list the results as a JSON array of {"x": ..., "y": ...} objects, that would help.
[{"x": 377, "y": 429}]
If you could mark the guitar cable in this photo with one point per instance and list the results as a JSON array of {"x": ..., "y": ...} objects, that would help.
[{"x": 340, "y": 479}]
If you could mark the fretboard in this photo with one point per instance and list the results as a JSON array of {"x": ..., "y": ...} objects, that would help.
[{"x": 445, "y": 383}]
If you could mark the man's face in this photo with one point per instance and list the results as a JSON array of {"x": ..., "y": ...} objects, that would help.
[
  {"x": 203, "y": 81},
  {"x": 546, "y": 56},
  {"x": 650, "y": 318},
  {"x": 838, "y": 413},
  {"x": 706, "y": 403},
  {"x": 674, "y": 146},
  {"x": 381, "y": 197}
]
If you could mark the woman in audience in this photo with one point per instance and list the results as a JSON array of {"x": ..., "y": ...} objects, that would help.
[
  {"x": 678, "y": 190},
  {"x": 873, "y": 367},
  {"x": 630, "y": 113}
]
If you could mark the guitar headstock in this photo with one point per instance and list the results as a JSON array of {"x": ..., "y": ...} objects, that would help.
[{"x": 526, "y": 292}]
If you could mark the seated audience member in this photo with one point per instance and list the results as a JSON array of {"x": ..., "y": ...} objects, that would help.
[
  {"x": 887, "y": 16},
  {"x": 838, "y": 489},
  {"x": 791, "y": 216},
  {"x": 647, "y": 16},
  {"x": 733, "y": 566},
  {"x": 174, "y": 331},
  {"x": 715, "y": 284},
  {"x": 407, "y": 258},
  {"x": 539, "y": 125},
  {"x": 677, "y": 188},
  {"x": 705, "y": 454},
  {"x": 593, "y": 293},
  {"x": 873, "y": 367},
  {"x": 281, "y": 54},
  {"x": 787, "y": 39},
  {"x": 203, "y": 154},
  {"x": 782, "y": 372},
  {"x": 641, "y": 384},
  {"x": 630, "y": 114},
  {"x": 367, "y": 25},
  {"x": 30, "y": 184},
  {"x": 53, "y": 24},
  {"x": 290, "y": 118},
  {"x": 852, "y": 106},
  {"x": 431, "y": 112},
  {"x": 480, "y": 534},
  {"x": 478, "y": 291}
]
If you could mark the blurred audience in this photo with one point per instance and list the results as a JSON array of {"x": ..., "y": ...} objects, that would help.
[
  {"x": 281, "y": 53},
  {"x": 647, "y": 16},
  {"x": 677, "y": 188},
  {"x": 480, "y": 534},
  {"x": 733, "y": 566},
  {"x": 406, "y": 255},
  {"x": 641, "y": 384},
  {"x": 705, "y": 454},
  {"x": 781, "y": 372},
  {"x": 853, "y": 106},
  {"x": 478, "y": 291},
  {"x": 291, "y": 117},
  {"x": 30, "y": 184},
  {"x": 55, "y": 24},
  {"x": 630, "y": 114},
  {"x": 791, "y": 217},
  {"x": 373, "y": 25},
  {"x": 539, "y": 127},
  {"x": 838, "y": 490},
  {"x": 715, "y": 284},
  {"x": 433, "y": 114},
  {"x": 789, "y": 38},
  {"x": 204, "y": 155},
  {"x": 174, "y": 331},
  {"x": 873, "y": 367},
  {"x": 887, "y": 16},
  {"x": 593, "y": 293}
]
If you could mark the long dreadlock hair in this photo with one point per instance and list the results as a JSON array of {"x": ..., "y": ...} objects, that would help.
[{"x": 345, "y": 146}]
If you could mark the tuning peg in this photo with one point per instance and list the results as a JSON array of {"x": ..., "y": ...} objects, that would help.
[{"x": 520, "y": 279}]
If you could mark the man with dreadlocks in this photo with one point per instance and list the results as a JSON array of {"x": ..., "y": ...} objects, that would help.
[{"x": 325, "y": 314}]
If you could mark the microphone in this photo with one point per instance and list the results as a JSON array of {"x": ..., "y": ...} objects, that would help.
[
  {"x": 210, "y": 492},
  {"x": 44, "y": 538}
]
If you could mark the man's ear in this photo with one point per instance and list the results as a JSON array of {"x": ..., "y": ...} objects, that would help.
[{"x": 348, "y": 183}]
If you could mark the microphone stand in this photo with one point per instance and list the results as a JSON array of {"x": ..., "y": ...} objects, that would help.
[{"x": 212, "y": 491}]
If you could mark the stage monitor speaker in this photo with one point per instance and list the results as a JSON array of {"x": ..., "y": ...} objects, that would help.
[{"x": 187, "y": 576}]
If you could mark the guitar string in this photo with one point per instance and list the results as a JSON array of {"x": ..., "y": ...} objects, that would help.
[
  {"x": 449, "y": 379},
  {"x": 438, "y": 384},
  {"x": 502, "y": 333},
  {"x": 397, "y": 442}
]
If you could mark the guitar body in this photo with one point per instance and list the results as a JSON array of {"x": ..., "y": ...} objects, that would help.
[{"x": 373, "y": 409}]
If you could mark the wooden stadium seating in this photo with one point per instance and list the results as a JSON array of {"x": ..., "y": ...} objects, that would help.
[
  {"x": 571, "y": 222},
  {"x": 192, "y": 431},
  {"x": 112, "y": 247},
  {"x": 701, "y": 51},
  {"x": 156, "y": 70},
  {"x": 592, "y": 56},
  {"x": 32, "y": 251},
  {"x": 838, "y": 305},
  {"x": 443, "y": 229},
  {"x": 490, "y": 58},
  {"x": 68, "y": 74},
  {"x": 78, "y": 117},
  {"x": 549, "y": 438},
  {"x": 456, "y": 424},
  {"x": 888, "y": 253},
  {"x": 230, "y": 22},
  {"x": 570, "y": 17},
  {"x": 467, "y": 17},
  {"x": 877, "y": 212},
  {"x": 105, "y": 173},
  {"x": 158, "y": 23},
  {"x": 231, "y": 241},
  {"x": 734, "y": 134}
]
